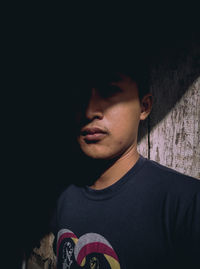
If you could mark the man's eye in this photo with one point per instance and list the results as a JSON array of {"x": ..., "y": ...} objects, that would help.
[{"x": 109, "y": 90}]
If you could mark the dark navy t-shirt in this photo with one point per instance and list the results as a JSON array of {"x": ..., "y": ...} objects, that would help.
[{"x": 150, "y": 218}]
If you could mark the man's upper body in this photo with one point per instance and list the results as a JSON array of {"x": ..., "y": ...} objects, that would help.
[
  {"x": 134, "y": 213},
  {"x": 150, "y": 218}
]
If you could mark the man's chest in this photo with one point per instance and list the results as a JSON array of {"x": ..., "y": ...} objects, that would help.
[{"x": 111, "y": 237}]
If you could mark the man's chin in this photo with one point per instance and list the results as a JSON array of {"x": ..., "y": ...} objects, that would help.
[
  {"x": 95, "y": 153},
  {"x": 95, "y": 156},
  {"x": 101, "y": 156}
]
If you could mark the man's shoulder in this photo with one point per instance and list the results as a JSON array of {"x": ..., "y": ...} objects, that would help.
[
  {"x": 170, "y": 177},
  {"x": 161, "y": 169},
  {"x": 69, "y": 192},
  {"x": 69, "y": 189}
]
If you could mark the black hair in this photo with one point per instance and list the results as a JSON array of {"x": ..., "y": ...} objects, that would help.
[
  {"x": 105, "y": 70},
  {"x": 99, "y": 78}
]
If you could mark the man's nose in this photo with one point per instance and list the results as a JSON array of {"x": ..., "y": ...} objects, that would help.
[{"x": 94, "y": 108}]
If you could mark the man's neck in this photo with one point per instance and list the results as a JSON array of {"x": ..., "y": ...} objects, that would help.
[{"x": 117, "y": 170}]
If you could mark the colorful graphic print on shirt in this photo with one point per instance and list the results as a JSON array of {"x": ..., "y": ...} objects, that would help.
[{"x": 90, "y": 251}]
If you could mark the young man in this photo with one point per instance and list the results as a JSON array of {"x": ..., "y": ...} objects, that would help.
[{"x": 124, "y": 211}]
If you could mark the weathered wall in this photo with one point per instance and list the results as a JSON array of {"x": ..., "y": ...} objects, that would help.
[
  {"x": 43, "y": 257},
  {"x": 172, "y": 132},
  {"x": 170, "y": 136},
  {"x": 175, "y": 140}
]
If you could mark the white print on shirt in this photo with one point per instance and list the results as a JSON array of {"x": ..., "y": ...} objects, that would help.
[{"x": 67, "y": 254}]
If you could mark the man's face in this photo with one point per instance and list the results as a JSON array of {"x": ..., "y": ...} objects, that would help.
[{"x": 108, "y": 119}]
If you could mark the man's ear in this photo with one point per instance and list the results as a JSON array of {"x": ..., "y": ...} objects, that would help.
[{"x": 146, "y": 106}]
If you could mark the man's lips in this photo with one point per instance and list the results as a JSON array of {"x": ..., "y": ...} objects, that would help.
[{"x": 93, "y": 133}]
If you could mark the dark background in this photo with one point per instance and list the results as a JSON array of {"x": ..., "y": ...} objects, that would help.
[{"x": 43, "y": 50}]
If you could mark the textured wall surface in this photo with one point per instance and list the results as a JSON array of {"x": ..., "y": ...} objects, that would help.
[
  {"x": 43, "y": 257},
  {"x": 170, "y": 136},
  {"x": 174, "y": 141}
]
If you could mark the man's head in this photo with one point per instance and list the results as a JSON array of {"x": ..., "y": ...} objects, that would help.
[{"x": 108, "y": 113}]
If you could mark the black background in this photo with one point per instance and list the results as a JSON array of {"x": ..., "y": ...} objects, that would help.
[{"x": 44, "y": 48}]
